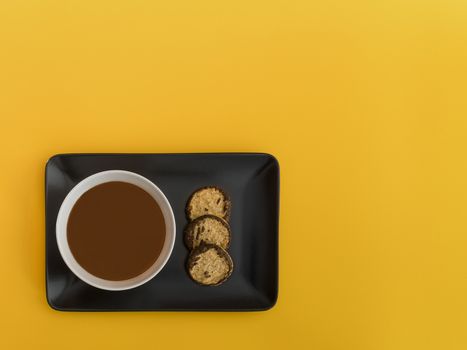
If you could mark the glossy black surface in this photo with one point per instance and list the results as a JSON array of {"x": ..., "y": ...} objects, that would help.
[{"x": 252, "y": 181}]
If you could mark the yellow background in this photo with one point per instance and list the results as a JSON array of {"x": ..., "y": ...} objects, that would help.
[{"x": 364, "y": 103}]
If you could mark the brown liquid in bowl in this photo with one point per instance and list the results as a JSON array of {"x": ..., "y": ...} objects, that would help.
[{"x": 116, "y": 231}]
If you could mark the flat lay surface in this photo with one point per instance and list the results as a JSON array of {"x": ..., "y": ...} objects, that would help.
[{"x": 362, "y": 103}]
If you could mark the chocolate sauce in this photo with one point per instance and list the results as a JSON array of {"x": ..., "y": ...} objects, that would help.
[{"x": 116, "y": 231}]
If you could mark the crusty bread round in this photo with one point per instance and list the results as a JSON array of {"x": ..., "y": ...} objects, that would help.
[
  {"x": 208, "y": 200},
  {"x": 209, "y": 265},
  {"x": 207, "y": 229}
]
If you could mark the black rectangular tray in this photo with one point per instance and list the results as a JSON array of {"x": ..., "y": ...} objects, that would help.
[{"x": 251, "y": 180}]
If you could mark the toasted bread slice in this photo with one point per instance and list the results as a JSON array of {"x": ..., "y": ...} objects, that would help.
[
  {"x": 208, "y": 200},
  {"x": 209, "y": 265},
  {"x": 207, "y": 229}
]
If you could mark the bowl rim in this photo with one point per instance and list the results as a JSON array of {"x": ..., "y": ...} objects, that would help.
[{"x": 97, "y": 179}]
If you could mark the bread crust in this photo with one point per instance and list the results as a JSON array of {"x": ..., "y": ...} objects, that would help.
[
  {"x": 195, "y": 228},
  {"x": 227, "y": 204},
  {"x": 194, "y": 259}
]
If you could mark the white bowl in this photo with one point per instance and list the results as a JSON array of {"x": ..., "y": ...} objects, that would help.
[{"x": 87, "y": 184}]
